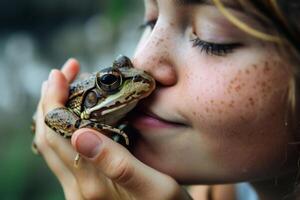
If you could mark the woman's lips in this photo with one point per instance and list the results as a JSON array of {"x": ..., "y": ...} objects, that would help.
[{"x": 141, "y": 119}]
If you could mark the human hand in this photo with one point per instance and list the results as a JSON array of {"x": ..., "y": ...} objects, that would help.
[{"x": 107, "y": 170}]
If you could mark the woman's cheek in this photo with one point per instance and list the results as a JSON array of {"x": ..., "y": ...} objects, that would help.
[
  {"x": 241, "y": 112},
  {"x": 233, "y": 97}
]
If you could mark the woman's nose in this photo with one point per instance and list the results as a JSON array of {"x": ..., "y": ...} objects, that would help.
[{"x": 154, "y": 55}]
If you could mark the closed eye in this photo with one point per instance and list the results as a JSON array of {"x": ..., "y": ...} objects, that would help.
[
  {"x": 150, "y": 23},
  {"x": 214, "y": 48}
]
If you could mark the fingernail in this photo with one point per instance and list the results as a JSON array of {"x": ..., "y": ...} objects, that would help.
[{"x": 88, "y": 144}]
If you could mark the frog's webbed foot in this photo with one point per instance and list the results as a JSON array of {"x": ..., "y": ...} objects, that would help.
[
  {"x": 63, "y": 121},
  {"x": 114, "y": 133},
  {"x": 117, "y": 137}
]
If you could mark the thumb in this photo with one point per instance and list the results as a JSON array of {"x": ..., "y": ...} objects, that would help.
[{"x": 117, "y": 164}]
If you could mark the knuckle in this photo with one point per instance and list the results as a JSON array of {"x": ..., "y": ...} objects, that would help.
[
  {"x": 173, "y": 190},
  {"x": 45, "y": 105},
  {"x": 120, "y": 170},
  {"x": 50, "y": 137},
  {"x": 40, "y": 143},
  {"x": 174, "y": 193},
  {"x": 91, "y": 188},
  {"x": 91, "y": 194}
]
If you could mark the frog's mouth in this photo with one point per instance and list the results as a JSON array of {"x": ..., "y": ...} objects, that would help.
[{"x": 122, "y": 102}]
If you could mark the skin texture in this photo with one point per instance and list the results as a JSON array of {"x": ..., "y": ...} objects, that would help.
[
  {"x": 228, "y": 105},
  {"x": 213, "y": 119}
]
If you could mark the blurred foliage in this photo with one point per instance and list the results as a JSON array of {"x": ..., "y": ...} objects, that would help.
[{"x": 36, "y": 36}]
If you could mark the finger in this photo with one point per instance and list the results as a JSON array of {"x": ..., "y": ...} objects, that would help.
[
  {"x": 117, "y": 164},
  {"x": 55, "y": 96},
  {"x": 64, "y": 175},
  {"x": 70, "y": 69},
  {"x": 57, "y": 91},
  {"x": 39, "y": 123}
]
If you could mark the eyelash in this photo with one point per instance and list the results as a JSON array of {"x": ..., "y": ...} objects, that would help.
[
  {"x": 208, "y": 47},
  {"x": 150, "y": 23},
  {"x": 214, "y": 48}
]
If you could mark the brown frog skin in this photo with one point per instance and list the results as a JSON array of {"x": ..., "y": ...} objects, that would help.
[{"x": 102, "y": 100}]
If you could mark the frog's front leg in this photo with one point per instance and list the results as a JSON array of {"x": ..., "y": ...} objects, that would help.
[
  {"x": 63, "y": 121},
  {"x": 107, "y": 130}
]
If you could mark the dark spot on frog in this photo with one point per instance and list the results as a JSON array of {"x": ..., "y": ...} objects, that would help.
[
  {"x": 194, "y": 113},
  {"x": 254, "y": 66},
  {"x": 247, "y": 71}
]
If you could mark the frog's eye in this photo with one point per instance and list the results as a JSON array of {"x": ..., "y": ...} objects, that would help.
[
  {"x": 91, "y": 99},
  {"x": 122, "y": 61},
  {"x": 109, "y": 81}
]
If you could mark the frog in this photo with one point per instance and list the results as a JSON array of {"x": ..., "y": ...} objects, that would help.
[{"x": 102, "y": 100}]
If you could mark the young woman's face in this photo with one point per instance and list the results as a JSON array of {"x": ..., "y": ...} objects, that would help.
[{"x": 219, "y": 111}]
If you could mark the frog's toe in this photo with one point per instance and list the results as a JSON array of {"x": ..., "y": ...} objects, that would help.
[{"x": 62, "y": 121}]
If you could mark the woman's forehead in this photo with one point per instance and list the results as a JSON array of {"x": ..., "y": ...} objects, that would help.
[
  {"x": 227, "y": 3},
  {"x": 244, "y": 7},
  {"x": 184, "y": 2}
]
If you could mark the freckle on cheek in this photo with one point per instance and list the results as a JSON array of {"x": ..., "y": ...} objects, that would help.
[
  {"x": 207, "y": 110},
  {"x": 231, "y": 104},
  {"x": 266, "y": 68},
  {"x": 237, "y": 88},
  {"x": 251, "y": 101}
]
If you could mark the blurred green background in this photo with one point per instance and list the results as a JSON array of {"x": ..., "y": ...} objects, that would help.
[{"x": 36, "y": 36}]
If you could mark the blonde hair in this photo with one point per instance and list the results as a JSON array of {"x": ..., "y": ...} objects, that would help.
[{"x": 245, "y": 27}]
